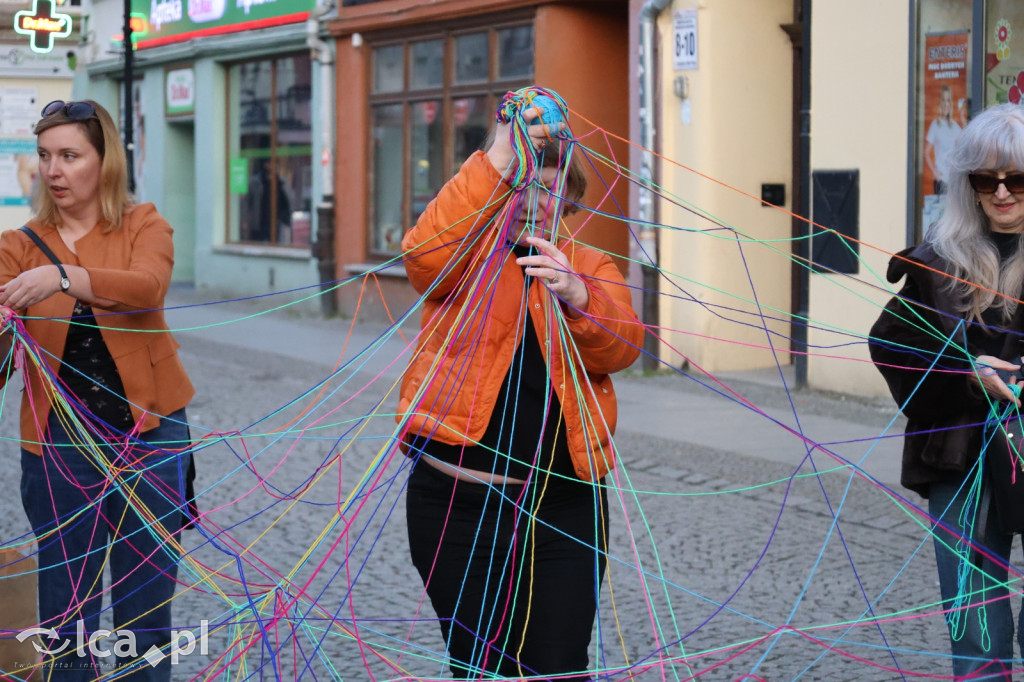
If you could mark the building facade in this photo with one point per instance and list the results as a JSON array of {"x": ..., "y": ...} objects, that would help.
[
  {"x": 225, "y": 128},
  {"x": 418, "y": 88},
  {"x": 839, "y": 103},
  {"x": 38, "y": 59},
  {"x": 291, "y": 147}
]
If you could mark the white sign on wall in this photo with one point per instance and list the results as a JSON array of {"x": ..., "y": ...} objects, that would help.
[
  {"x": 18, "y": 61},
  {"x": 684, "y": 39},
  {"x": 180, "y": 95},
  {"x": 19, "y": 111}
]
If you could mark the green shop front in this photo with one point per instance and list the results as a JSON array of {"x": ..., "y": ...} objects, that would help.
[{"x": 223, "y": 109}]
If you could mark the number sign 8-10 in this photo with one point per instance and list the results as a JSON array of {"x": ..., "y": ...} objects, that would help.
[{"x": 685, "y": 29}]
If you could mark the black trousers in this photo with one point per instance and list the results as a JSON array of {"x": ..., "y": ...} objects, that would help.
[{"x": 514, "y": 572}]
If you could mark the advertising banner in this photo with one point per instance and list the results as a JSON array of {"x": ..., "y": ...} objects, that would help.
[
  {"x": 945, "y": 113},
  {"x": 1005, "y": 56},
  {"x": 18, "y": 61},
  {"x": 171, "y": 21},
  {"x": 19, "y": 163}
]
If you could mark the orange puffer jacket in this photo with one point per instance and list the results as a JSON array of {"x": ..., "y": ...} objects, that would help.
[{"x": 472, "y": 325}]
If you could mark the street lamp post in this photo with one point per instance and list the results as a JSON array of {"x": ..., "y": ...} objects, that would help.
[{"x": 129, "y": 114}]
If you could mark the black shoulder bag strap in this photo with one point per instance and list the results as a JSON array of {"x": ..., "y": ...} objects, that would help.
[
  {"x": 45, "y": 249},
  {"x": 191, "y": 512}
]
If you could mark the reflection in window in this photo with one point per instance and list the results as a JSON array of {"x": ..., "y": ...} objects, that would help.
[
  {"x": 515, "y": 52},
  {"x": 443, "y": 116},
  {"x": 388, "y": 68},
  {"x": 427, "y": 149},
  {"x": 388, "y": 155},
  {"x": 471, "y": 58},
  {"x": 427, "y": 64},
  {"x": 270, "y": 145},
  {"x": 471, "y": 117}
]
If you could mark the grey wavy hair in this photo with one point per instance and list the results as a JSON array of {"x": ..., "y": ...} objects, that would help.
[{"x": 993, "y": 139}]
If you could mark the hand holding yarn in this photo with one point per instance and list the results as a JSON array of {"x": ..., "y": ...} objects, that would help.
[
  {"x": 552, "y": 267},
  {"x": 548, "y": 114},
  {"x": 990, "y": 372},
  {"x": 529, "y": 120}
]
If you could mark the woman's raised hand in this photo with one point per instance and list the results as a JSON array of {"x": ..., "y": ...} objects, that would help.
[{"x": 502, "y": 154}]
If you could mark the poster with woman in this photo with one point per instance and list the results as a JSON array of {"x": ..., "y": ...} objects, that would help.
[{"x": 945, "y": 113}]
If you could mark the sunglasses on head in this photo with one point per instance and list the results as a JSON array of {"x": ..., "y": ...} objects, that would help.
[
  {"x": 76, "y": 111},
  {"x": 988, "y": 183}
]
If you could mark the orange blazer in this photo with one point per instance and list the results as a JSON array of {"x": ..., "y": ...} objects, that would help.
[
  {"x": 131, "y": 266},
  {"x": 472, "y": 325}
]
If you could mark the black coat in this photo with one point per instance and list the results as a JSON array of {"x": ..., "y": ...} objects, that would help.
[{"x": 920, "y": 329}]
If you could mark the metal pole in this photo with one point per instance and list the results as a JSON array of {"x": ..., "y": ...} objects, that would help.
[
  {"x": 129, "y": 104},
  {"x": 324, "y": 249},
  {"x": 802, "y": 248},
  {"x": 648, "y": 236}
]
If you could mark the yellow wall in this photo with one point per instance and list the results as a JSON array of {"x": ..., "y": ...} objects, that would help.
[
  {"x": 859, "y": 100},
  {"x": 739, "y": 134}
]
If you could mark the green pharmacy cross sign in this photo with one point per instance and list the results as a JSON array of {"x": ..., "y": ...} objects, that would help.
[{"x": 43, "y": 24}]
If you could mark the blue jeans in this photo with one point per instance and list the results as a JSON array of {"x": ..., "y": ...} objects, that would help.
[
  {"x": 85, "y": 518},
  {"x": 981, "y": 630}
]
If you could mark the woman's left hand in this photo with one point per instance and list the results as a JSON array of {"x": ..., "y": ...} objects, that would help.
[
  {"x": 551, "y": 266},
  {"x": 30, "y": 287}
]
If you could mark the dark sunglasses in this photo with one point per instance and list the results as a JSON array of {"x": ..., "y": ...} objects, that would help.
[
  {"x": 76, "y": 111},
  {"x": 986, "y": 183}
]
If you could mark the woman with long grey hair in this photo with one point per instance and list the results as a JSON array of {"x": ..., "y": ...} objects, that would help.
[{"x": 949, "y": 347}]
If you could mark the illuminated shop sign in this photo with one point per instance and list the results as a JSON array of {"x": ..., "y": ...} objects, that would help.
[
  {"x": 173, "y": 21},
  {"x": 140, "y": 30},
  {"x": 43, "y": 24}
]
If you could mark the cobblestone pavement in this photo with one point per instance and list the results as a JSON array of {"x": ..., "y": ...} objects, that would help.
[{"x": 743, "y": 569}]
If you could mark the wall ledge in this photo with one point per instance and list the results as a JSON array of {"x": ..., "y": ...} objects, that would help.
[
  {"x": 283, "y": 252},
  {"x": 396, "y": 270}
]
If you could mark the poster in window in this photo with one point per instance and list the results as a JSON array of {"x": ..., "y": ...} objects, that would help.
[
  {"x": 1004, "y": 54},
  {"x": 945, "y": 113},
  {"x": 19, "y": 164}
]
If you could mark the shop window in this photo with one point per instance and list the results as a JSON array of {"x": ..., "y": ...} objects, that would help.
[
  {"x": 943, "y": 96},
  {"x": 270, "y": 147},
  {"x": 947, "y": 42},
  {"x": 432, "y": 102},
  {"x": 1004, "y": 51}
]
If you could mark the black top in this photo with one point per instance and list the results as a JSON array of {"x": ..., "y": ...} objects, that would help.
[
  {"x": 917, "y": 333},
  {"x": 512, "y": 445},
  {"x": 89, "y": 372},
  {"x": 989, "y": 339}
]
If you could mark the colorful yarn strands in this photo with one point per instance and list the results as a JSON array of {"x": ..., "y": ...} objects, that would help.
[
  {"x": 755, "y": 532},
  {"x": 550, "y": 110}
]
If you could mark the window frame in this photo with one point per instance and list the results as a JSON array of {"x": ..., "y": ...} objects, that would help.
[
  {"x": 493, "y": 88},
  {"x": 273, "y": 106}
]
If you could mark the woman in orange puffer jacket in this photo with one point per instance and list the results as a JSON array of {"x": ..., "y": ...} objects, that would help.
[{"x": 508, "y": 410}]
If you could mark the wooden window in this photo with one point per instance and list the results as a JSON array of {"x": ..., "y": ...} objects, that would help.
[
  {"x": 269, "y": 151},
  {"x": 432, "y": 100}
]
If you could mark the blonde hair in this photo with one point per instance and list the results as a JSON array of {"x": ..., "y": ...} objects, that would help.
[
  {"x": 994, "y": 139},
  {"x": 101, "y": 132}
]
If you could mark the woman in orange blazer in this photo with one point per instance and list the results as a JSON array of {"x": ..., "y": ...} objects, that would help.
[
  {"x": 115, "y": 491},
  {"x": 508, "y": 410}
]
